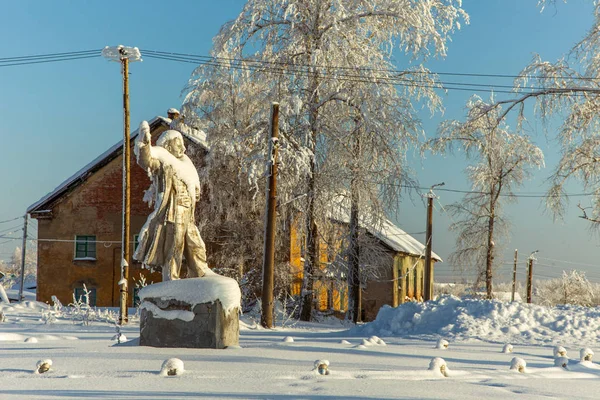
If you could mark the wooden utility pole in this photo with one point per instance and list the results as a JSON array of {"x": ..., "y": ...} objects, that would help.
[
  {"x": 124, "y": 55},
  {"x": 354, "y": 279},
  {"x": 514, "y": 287},
  {"x": 266, "y": 319},
  {"x": 123, "y": 312},
  {"x": 428, "y": 284},
  {"x": 530, "y": 276},
  {"x": 23, "y": 253}
]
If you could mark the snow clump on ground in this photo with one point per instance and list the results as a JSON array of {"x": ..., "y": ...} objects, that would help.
[
  {"x": 439, "y": 365},
  {"x": 322, "y": 367},
  {"x": 561, "y": 362},
  {"x": 560, "y": 351},
  {"x": 172, "y": 367},
  {"x": 441, "y": 344},
  {"x": 586, "y": 354},
  {"x": 43, "y": 366},
  {"x": 508, "y": 348},
  {"x": 518, "y": 364}
]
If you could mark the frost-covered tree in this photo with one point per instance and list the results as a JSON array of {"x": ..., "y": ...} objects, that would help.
[
  {"x": 502, "y": 161},
  {"x": 12, "y": 269},
  {"x": 327, "y": 63},
  {"x": 231, "y": 105},
  {"x": 571, "y": 288}
]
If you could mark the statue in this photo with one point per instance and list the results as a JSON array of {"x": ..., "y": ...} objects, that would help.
[{"x": 170, "y": 231}]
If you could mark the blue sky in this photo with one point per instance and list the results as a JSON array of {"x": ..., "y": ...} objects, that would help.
[{"x": 57, "y": 117}]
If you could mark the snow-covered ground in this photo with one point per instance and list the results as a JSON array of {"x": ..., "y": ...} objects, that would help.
[{"x": 390, "y": 358}]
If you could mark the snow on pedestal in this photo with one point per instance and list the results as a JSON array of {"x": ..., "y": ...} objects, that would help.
[{"x": 196, "y": 312}]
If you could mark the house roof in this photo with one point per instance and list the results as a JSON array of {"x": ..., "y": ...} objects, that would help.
[
  {"x": 40, "y": 206},
  {"x": 381, "y": 228},
  {"x": 399, "y": 240}
]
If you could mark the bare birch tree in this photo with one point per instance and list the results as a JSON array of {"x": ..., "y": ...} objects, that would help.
[
  {"x": 503, "y": 160},
  {"x": 568, "y": 89}
]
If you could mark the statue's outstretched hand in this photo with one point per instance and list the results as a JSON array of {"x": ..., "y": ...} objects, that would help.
[{"x": 144, "y": 135}]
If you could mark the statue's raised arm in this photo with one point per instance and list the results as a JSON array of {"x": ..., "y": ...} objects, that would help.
[{"x": 143, "y": 150}]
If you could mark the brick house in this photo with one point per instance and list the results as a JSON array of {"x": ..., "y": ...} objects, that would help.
[
  {"x": 396, "y": 275},
  {"x": 79, "y": 226}
]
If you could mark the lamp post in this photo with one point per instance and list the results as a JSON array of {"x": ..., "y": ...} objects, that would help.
[{"x": 124, "y": 55}]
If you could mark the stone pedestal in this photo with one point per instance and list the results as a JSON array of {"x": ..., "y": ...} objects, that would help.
[{"x": 172, "y": 315}]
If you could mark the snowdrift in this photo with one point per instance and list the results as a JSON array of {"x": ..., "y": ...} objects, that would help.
[{"x": 489, "y": 320}]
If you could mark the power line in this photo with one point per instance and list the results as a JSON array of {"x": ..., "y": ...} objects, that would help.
[
  {"x": 522, "y": 195},
  {"x": 568, "y": 262},
  {"x": 47, "y": 61},
  {"x": 10, "y": 229},
  {"x": 10, "y": 220},
  {"x": 50, "y": 55},
  {"x": 356, "y": 78},
  {"x": 207, "y": 59}
]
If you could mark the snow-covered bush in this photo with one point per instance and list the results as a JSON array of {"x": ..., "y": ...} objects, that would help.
[
  {"x": 571, "y": 288},
  {"x": 172, "y": 367},
  {"x": 518, "y": 364},
  {"x": 441, "y": 344},
  {"x": 80, "y": 310},
  {"x": 48, "y": 317},
  {"x": 508, "y": 348},
  {"x": 438, "y": 364},
  {"x": 586, "y": 354},
  {"x": 119, "y": 338}
]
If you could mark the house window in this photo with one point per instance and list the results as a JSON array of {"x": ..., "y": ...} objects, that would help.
[
  {"x": 80, "y": 295},
  {"x": 136, "y": 242},
  {"x": 85, "y": 247}
]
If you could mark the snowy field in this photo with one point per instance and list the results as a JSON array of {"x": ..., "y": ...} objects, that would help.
[{"x": 279, "y": 363}]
